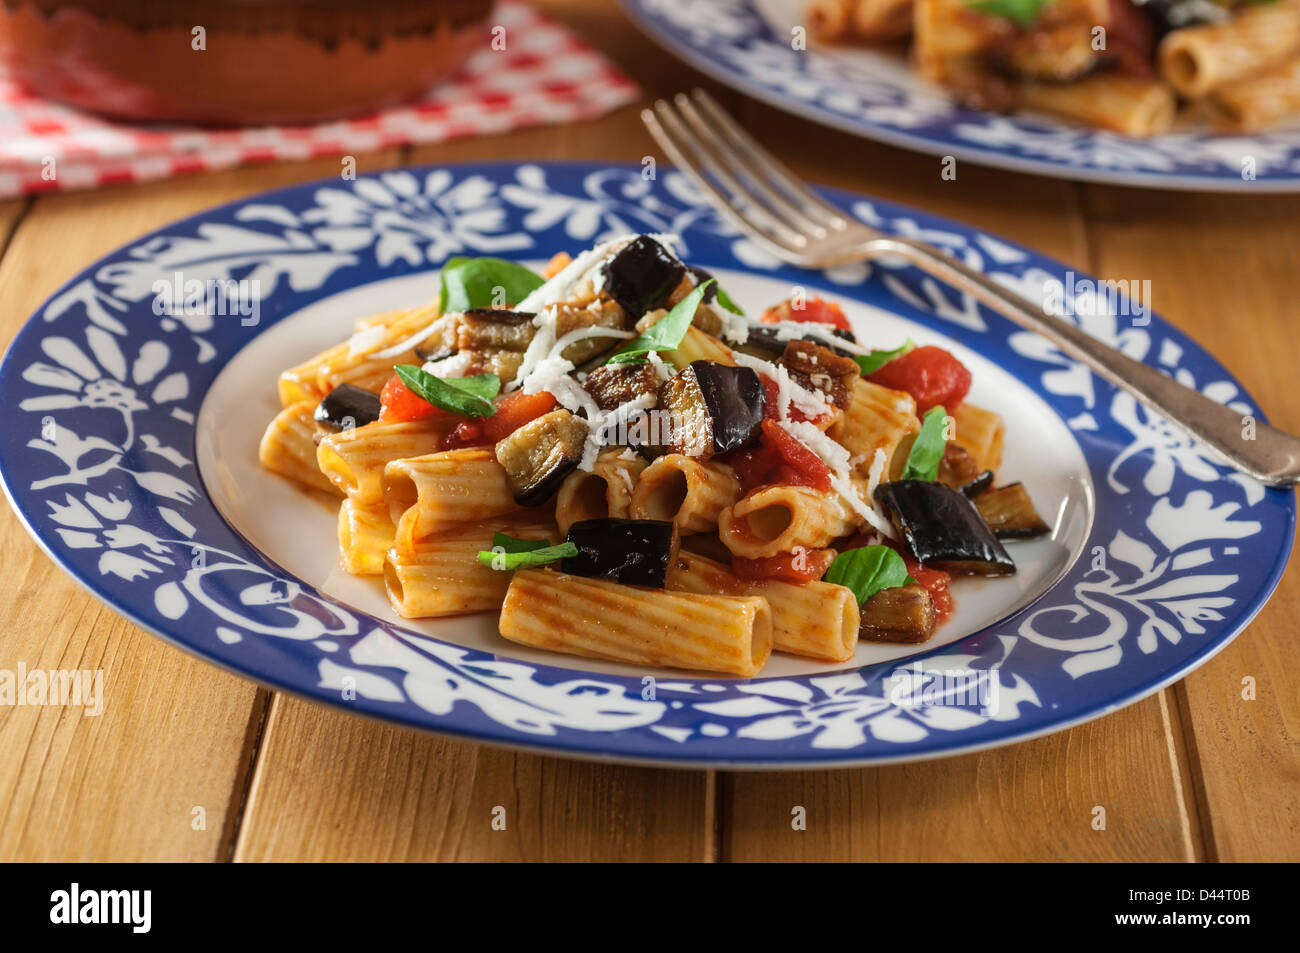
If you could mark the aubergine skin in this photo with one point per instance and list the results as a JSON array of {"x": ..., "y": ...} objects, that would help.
[
  {"x": 633, "y": 552},
  {"x": 942, "y": 528},
  {"x": 715, "y": 408},
  {"x": 766, "y": 342},
  {"x": 978, "y": 485},
  {"x": 642, "y": 275},
  {"x": 1010, "y": 513},
  {"x": 348, "y": 406}
]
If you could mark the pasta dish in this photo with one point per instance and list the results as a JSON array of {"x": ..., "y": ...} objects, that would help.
[
  {"x": 626, "y": 467},
  {"x": 1131, "y": 66}
]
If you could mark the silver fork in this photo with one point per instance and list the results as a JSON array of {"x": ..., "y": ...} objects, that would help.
[{"x": 768, "y": 203}]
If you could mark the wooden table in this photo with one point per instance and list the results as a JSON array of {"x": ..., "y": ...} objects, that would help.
[{"x": 1193, "y": 773}]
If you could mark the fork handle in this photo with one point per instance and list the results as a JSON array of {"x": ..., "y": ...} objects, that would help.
[{"x": 1273, "y": 456}]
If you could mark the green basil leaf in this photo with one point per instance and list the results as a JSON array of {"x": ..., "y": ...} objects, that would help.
[
  {"x": 868, "y": 570},
  {"x": 508, "y": 553},
  {"x": 472, "y": 282},
  {"x": 467, "y": 396},
  {"x": 870, "y": 363},
  {"x": 728, "y": 302},
  {"x": 923, "y": 459},
  {"x": 1023, "y": 12},
  {"x": 513, "y": 544},
  {"x": 666, "y": 333}
]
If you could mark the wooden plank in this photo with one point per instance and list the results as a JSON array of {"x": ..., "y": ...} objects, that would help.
[
  {"x": 331, "y": 786},
  {"x": 1033, "y": 801},
  {"x": 175, "y": 734},
  {"x": 1223, "y": 269}
]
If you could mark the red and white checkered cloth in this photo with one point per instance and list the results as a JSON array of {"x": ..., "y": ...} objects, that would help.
[{"x": 546, "y": 75}]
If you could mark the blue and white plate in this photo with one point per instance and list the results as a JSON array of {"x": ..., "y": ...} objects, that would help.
[
  {"x": 747, "y": 44},
  {"x": 131, "y": 447}
]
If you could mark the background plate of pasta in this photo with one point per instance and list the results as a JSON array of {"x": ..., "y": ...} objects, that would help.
[
  {"x": 549, "y": 456},
  {"x": 1193, "y": 94}
]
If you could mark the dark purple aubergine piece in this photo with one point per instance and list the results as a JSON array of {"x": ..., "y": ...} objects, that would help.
[
  {"x": 942, "y": 529},
  {"x": 348, "y": 406},
  {"x": 633, "y": 552},
  {"x": 642, "y": 275}
]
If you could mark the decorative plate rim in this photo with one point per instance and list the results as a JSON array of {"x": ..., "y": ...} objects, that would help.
[
  {"x": 672, "y": 40},
  {"x": 771, "y": 704}
]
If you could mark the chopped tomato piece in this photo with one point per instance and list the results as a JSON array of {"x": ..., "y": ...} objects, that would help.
[
  {"x": 930, "y": 374},
  {"x": 796, "y": 457},
  {"x": 799, "y": 567},
  {"x": 814, "y": 310},
  {"x": 398, "y": 403},
  {"x": 934, "y": 581},
  {"x": 779, "y": 459},
  {"x": 513, "y": 411}
]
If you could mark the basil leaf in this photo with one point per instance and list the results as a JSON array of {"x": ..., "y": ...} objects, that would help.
[
  {"x": 923, "y": 459},
  {"x": 727, "y": 302},
  {"x": 868, "y": 570},
  {"x": 666, "y": 333},
  {"x": 1023, "y": 12},
  {"x": 472, "y": 282},
  {"x": 508, "y": 553},
  {"x": 467, "y": 396},
  {"x": 870, "y": 363},
  {"x": 513, "y": 544}
]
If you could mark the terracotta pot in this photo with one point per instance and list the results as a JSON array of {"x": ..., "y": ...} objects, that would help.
[{"x": 261, "y": 61}]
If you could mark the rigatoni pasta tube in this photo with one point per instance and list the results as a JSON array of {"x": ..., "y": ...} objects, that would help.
[
  {"x": 426, "y": 493},
  {"x": 351, "y": 361},
  {"x": 980, "y": 433},
  {"x": 947, "y": 32},
  {"x": 876, "y": 418},
  {"x": 365, "y": 535},
  {"x": 1197, "y": 60},
  {"x": 777, "y": 519},
  {"x": 1255, "y": 104},
  {"x": 686, "y": 491},
  {"x": 442, "y": 576},
  {"x": 814, "y": 619},
  {"x": 596, "y": 618},
  {"x": 604, "y": 492},
  {"x": 354, "y": 459},
  {"x": 698, "y": 346},
  {"x": 1123, "y": 104},
  {"x": 870, "y": 20},
  {"x": 289, "y": 448}
]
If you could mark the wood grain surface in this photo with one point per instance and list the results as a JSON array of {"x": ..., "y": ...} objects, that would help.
[{"x": 1196, "y": 772}]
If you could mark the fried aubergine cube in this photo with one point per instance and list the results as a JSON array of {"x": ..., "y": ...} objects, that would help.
[
  {"x": 613, "y": 385},
  {"x": 819, "y": 368},
  {"x": 540, "y": 454},
  {"x": 941, "y": 528},
  {"x": 714, "y": 408},
  {"x": 900, "y": 614}
]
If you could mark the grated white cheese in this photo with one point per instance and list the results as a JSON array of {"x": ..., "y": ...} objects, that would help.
[
  {"x": 789, "y": 391},
  {"x": 367, "y": 339},
  {"x": 454, "y": 366},
  {"x": 419, "y": 337},
  {"x": 837, "y": 460},
  {"x": 792, "y": 330},
  {"x": 662, "y": 371},
  {"x": 601, "y": 422},
  {"x": 876, "y": 473},
  {"x": 735, "y": 327}
]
